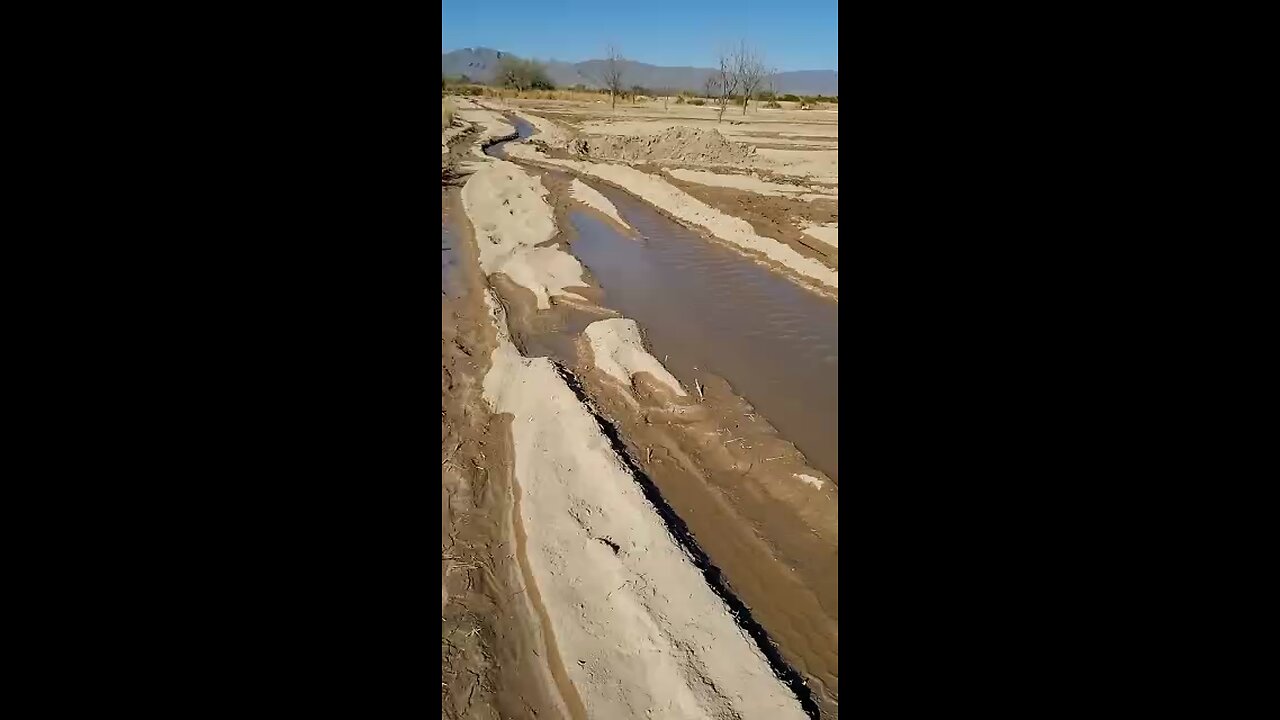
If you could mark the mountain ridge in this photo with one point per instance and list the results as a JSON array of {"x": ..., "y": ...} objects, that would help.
[{"x": 481, "y": 64}]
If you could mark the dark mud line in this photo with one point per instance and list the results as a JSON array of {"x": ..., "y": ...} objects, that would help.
[
  {"x": 487, "y": 147},
  {"x": 523, "y": 130},
  {"x": 712, "y": 574}
]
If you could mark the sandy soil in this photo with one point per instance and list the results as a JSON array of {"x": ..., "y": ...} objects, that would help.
[
  {"x": 739, "y": 488},
  {"x": 492, "y": 125},
  {"x": 734, "y": 127},
  {"x": 575, "y": 589},
  {"x": 763, "y": 134},
  {"x": 762, "y": 210},
  {"x": 552, "y": 132},
  {"x": 617, "y": 350},
  {"x": 730, "y": 477},
  {"x": 829, "y": 233},
  {"x": 790, "y": 142},
  {"x": 590, "y": 197},
  {"x": 674, "y": 144},
  {"x": 754, "y": 184},
  {"x": 493, "y": 653},
  {"x": 451, "y": 134},
  {"x": 630, "y": 622},
  {"x": 777, "y": 216},
  {"x": 455, "y": 143},
  {"x": 817, "y": 165},
  {"x": 642, "y": 631},
  {"x": 683, "y": 206},
  {"x": 511, "y": 220}
]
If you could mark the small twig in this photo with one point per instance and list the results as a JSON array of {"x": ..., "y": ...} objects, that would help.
[
  {"x": 698, "y": 385},
  {"x": 648, "y": 455},
  {"x": 451, "y": 452},
  {"x": 611, "y": 592}
]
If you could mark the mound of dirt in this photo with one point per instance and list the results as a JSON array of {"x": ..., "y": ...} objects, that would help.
[{"x": 675, "y": 143}]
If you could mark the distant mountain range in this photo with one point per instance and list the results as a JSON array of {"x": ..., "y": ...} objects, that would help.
[{"x": 481, "y": 64}]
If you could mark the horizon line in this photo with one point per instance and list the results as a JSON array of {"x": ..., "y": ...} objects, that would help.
[{"x": 642, "y": 62}]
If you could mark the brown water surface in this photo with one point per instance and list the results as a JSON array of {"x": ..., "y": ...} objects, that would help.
[
  {"x": 451, "y": 276},
  {"x": 705, "y": 307}
]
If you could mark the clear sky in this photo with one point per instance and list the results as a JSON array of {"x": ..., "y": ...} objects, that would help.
[{"x": 793, "y": 34}]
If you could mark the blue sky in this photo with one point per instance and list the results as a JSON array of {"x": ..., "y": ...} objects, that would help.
[{"x": 793, "y": 34}]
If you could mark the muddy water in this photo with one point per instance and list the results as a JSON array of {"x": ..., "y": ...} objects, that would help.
[
  {"x": 711, "y": 310},
  {"x": 707, "y": 308},
  {"x": 451, "y": 275}
]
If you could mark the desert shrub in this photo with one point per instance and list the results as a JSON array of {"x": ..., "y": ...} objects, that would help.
[
  {"x": 680, "y": 100},
  {"x": 447, "y": 111},
  {"x": 791, "y": 98},
  {"x": 773, "y": 105},
  {"x": 697, "y": 101},
  {"x": 454, "y": 81}
]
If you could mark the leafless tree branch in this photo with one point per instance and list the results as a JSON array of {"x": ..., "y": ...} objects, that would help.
[
  {"x": 726, "y": 81},
  {"x": 613, "y": 67},
  {"x": 750, "y": 70}
]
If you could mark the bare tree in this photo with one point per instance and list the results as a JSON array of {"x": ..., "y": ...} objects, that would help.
[
  {"x": 726, "y": 82},
  {"x": 750, "y": 72},
  {"x": 709, "y": 87},
  {"x": 667, "y": 92},
  {"x": 613, "y": 75}
]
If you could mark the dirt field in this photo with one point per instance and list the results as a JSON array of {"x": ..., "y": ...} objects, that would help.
[
  {"x": 795, "y": 156},
  {"x": 617, "y": 541}
]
